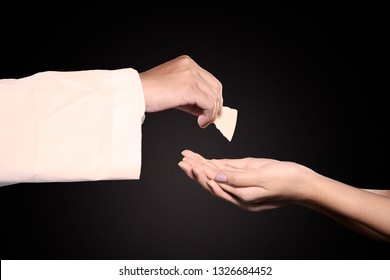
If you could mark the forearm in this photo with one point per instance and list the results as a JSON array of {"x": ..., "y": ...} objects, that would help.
[
  {"x": 363, "y": 211},
  {"x": 348, "y": 222}
]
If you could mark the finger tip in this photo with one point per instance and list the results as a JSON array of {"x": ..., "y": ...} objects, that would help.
[
  {"x": 184, "y": 165},
  {"x": 186, "y": 152},
  {"x": 204, "y": 121}
]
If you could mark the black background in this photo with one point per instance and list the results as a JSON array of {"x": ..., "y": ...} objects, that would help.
[{"x": 309, "y": 85}]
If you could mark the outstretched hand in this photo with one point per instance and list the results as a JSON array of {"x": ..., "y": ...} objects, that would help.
[
  {"x": 254, "y": 184},
  {"x": 182, "y": 84}
]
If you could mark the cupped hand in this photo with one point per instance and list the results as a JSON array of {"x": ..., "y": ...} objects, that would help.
[{"x": 254, "y": 184}]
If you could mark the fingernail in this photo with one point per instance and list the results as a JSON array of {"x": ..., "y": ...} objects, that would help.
[{"x": 221, "y": 178}]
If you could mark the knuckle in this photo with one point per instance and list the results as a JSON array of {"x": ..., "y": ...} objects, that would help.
[
  {"x": 188, "y": 74},
  {"x": 185, "y": 60},
  {"x": 233, "y": 180}
]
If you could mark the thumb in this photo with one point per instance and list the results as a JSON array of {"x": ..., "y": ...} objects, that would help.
[
  {"x": 207, "y": 116},
  {"x": 237, "y": 178},
  {"x": 203, "y": 121}
]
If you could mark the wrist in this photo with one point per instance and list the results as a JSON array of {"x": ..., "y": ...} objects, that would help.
[
  {"x": 308, "y": 186},
  {"x": 146, "y": 90}
]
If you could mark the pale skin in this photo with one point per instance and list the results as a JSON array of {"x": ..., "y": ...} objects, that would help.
[
  {"x": 258, "y": 184},
  {"x": 182, "y": 84}
]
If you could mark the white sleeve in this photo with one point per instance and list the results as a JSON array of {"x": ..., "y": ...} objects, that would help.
[{"x": 71, "y": 126}]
